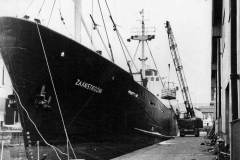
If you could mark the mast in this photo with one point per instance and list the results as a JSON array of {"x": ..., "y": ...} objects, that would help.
[
  {"x": 142, "y": 38},
  {"x": 77, "y": 19},
  {"x": 143, "y": 50}
]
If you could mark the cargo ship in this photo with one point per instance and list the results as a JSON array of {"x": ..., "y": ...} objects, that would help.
[{"x": 67, "y": 94}]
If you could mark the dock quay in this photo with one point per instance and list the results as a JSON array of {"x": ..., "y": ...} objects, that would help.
[{"x": 179, "y": 148}]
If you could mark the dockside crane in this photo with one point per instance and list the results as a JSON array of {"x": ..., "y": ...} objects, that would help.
[{"x": 189, "y": 123}]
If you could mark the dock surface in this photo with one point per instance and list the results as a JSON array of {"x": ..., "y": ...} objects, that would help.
[{"x": 179, "y": 148}]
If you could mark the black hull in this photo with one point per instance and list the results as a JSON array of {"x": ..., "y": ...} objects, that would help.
[{"x": 99, "y": 101}]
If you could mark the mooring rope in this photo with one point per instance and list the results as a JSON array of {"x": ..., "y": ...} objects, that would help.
[
  {"x": 55, "y": 93},
  {"x": 35, "y": 126}
]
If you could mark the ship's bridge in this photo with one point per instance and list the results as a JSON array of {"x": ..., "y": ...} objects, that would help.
[
  {"x": 154, "y": 84},
  {"x": 152, "y": 75}
]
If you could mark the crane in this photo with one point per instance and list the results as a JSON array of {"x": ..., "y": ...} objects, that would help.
[
  {"x": 180, "y": 73},
  {"x": 189, "y": 123}
]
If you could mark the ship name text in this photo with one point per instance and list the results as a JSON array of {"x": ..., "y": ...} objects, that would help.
[{"x": 88, "y": 86}]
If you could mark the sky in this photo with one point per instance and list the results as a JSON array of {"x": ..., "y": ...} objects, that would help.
[{"x": 190, "y": 21}]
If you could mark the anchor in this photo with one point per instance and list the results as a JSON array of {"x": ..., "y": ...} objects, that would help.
[{"x": 41, "y": 100}]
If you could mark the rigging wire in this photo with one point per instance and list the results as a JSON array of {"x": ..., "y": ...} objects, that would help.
[
  {"x": 95, "y": 27},
  {"x": 135, "y": 54},
  {"x": 62, "y": 19},
  {"x": 119, "y": 36},
  {"x": 88, "y": 33},
  {"x": 29, "y": 5},
  {"x": 51, "y": 12},
  {"x": 107, "y": 7},
  {"x": 155, "y": 64},
  {"x": 127, "y": 49},
  {"x": 169, "y": 68},
  {"x": 93, "y": 24},
  {"x": 105, "y": 28},
  {"x": 122, "y": 47},
  {"x": 39, "y": 11},
  {"x": 125, "y": 56},
  {"x": 64, "y": 23},
  {"x": 55, "y": 92}
]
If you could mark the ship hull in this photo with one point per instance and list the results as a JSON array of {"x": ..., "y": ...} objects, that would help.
[{"x": 58, "y": 80}]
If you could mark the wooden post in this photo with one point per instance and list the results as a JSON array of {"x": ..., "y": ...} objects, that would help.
[
  {"x": 38, "y": 154},
  {"x": 2, "y": 150}
]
